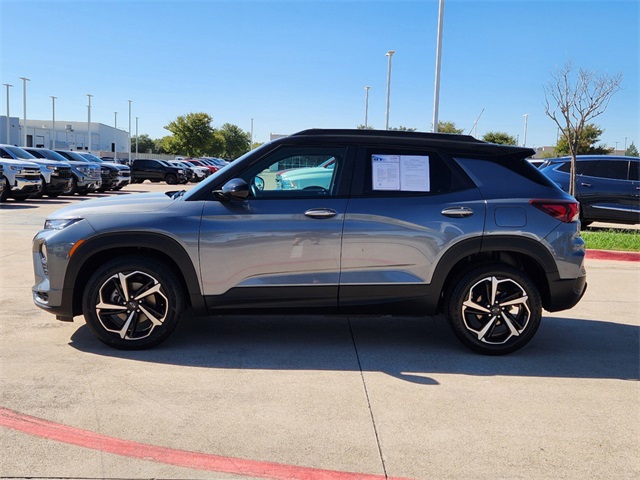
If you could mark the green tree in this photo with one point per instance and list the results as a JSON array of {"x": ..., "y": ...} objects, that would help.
[
  {"x": 236, "y": 141},
  {"x": 448, "y": 127},
  {"x": 501, "y": 138},
  {"x": 145, "y": 144},
  {"x": 572, "y": 99},
  {"x": 193, "y": 136},
  {"x": 589, "y": 137},
  {"x": 403, "y": 129},
  {"x": 632, "y": 151},
  {"x": 362, "y": 127}
]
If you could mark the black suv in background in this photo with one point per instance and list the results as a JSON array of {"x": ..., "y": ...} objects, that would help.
[
  {"x": 157, "y": 171},
  {"x": 607, "y": 187}
]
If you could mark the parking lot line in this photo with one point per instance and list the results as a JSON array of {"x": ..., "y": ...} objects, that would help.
[{"x": 200, "y": 461}]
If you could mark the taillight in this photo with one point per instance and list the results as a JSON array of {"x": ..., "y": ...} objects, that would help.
[{"x": 564, "y": 210}]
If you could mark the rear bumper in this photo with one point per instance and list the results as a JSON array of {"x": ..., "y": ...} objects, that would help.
[{"x": 565, "y": 293}]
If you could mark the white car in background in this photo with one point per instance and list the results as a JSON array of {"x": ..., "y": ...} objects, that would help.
[{"x": 199, "y": 173}]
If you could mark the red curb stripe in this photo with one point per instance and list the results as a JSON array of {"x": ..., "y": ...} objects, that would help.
[
  {"x": 613, "y": 255},
  {"x": 181, "y": 458}
]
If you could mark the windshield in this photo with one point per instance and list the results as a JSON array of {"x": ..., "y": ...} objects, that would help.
[
  {"x": 50, "y": 154},
  {"x": 92, "y": 157},
  {"x": 20, "y": 153}
]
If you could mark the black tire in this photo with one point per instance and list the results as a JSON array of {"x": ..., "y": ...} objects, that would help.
[
  {"x": 5, "y": 192},
  {"x": 171, "y": 179},
  {"x": 74, "y": 187},
  {"x": 151, "y": 313},
  {"x": 494, "y": 309}
]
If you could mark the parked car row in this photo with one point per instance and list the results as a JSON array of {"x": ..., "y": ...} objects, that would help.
[
  {"x": 35, "y": 172},
  {"x": 180, "y": 170},
  {"x": 607, "y": 187}
]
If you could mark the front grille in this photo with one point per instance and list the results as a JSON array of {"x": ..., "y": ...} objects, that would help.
[
  {"x": 125, "y": 173},
  {"x": 104, "y": 172},
  {"x": 31, "y": 176},
  {"x": 63, "y": 172}
]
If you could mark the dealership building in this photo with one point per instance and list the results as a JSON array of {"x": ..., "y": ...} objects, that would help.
[{"x": 66, "y": 135}]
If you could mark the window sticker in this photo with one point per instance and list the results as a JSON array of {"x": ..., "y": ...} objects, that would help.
[{"x": 407, "y": 173}]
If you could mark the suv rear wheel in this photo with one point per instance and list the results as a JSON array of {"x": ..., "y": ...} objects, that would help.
[
  {"x": 494, "y": 309},
  {"x": 133, "y": 303}
]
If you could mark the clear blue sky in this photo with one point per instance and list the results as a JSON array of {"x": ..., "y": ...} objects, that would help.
[{"x": 292, "y": 65}]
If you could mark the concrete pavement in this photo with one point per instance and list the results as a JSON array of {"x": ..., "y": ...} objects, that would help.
[{"x": 316, "y": 397}]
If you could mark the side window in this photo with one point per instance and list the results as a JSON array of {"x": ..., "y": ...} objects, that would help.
[
  {"x": 397, "y": 172},
  {"x": 4, "y": 153},
  {"x": 614, "y": 169},
  {"x": 297, "y": 172},
  {"x": 634, "y": 171}
]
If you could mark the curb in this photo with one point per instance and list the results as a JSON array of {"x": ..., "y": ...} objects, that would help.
[{"x": 613, "y": 255}]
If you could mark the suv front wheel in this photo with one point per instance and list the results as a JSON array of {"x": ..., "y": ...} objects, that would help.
[
  {"x": 494, "y": 309},
  {"x": 133, "y": 303}
]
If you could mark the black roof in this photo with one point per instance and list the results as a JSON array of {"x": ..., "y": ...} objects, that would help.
[{"x": 454, "y": 144}]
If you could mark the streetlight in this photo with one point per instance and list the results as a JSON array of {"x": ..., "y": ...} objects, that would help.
[
  {"x": 526, "y": 120},
  {"x": 89, "y": 120},
  {"x": 24, "y": 108},
  {"x": 436, "y": 89},
  {"x": 54, "y": 135},
  {"x": 8, "y": 123},
  {"x": 115, "y": 136},
  {"x": 129, "y": 137},
  {"x": 388, "y": 54},
  {"x": 366, "y": 106},
  {"x": 136, "y": 138},
  {"x": 251, "y": 136}
]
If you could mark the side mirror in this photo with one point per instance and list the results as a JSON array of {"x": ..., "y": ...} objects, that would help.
[{"x": 234, "y": 189}]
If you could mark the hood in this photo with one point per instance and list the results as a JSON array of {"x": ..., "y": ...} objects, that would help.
[
  {"x": 19, "y": 163},
  {"x": 121, "y": 205},
  {"x": 118, "y": 166}
]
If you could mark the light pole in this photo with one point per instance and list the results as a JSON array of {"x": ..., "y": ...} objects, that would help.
[
  {"x": 8, "y": 122},
  {"x": 436, "y": 89},
  {"x": 526, "y": 121},
  {"x": 136, "y": 138},
  {"x": 251, "y": 137},
  {"x": 54, "y": 135},
  {"x": 615, "y": 152},
  {"x": 89, "y": 121},
  {"x": 129, "y": 136},
  {"x": 389, "y": 54},
  {"x": 115, "y": 136},
  {"x": 366, "y": 106},
  {"x": 24, "y": 109}
]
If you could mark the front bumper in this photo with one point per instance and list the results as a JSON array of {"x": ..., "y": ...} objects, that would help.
[{"x": 24, "y": 186}]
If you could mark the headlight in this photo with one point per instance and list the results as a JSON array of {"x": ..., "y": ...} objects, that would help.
[
  {"x": 60, "y": 223},
  {"x": 52, "y": 167},
  {"x": 180, "y": 171},
  {"x": 83, "y": 169},
  {"x": 17, "y": 169}
]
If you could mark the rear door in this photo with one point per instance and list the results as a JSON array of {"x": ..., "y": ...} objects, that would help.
[
  {"x": 408, "y": 206},
  {"x": 606, "y": 191}
]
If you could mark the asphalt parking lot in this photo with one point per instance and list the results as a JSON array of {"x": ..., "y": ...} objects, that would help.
[{"x": 312, "y": 397}]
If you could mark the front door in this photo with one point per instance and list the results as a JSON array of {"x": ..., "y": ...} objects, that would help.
[{"x": 282, "y": 246}]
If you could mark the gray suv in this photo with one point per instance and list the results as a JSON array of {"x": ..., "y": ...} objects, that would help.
[{"x": 407, "y": 223}]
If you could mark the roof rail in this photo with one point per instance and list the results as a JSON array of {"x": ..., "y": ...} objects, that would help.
[{"x": 390, "y": 133}]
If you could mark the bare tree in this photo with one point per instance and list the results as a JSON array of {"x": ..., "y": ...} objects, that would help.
[{"x": 572, "y": 98}]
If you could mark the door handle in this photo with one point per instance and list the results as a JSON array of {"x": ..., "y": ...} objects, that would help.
[
  {"x": 320, "y": 213},
  {"x": 585, "y": 184},
  {"x": 457, "y": 212}
]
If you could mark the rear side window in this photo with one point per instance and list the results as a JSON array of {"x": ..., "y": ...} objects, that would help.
[
  {"x": 634, "y": 171},
  {"x": 399, "y": 172},
  {"x": 614, "y": 169}
]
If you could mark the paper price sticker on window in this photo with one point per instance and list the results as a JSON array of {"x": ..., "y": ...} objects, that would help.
[{"x": 407, "y": 173}]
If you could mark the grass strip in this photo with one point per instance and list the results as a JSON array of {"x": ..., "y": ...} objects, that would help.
[{"x": 612, "y": 239}]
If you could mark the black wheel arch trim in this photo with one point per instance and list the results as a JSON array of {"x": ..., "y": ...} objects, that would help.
[{"x": 131, "y": 241}]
